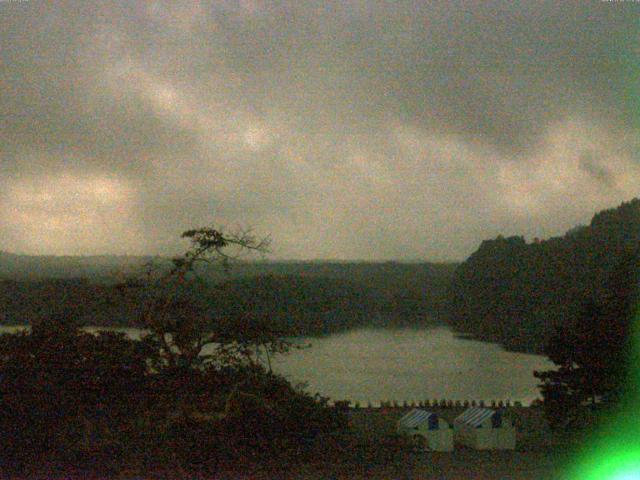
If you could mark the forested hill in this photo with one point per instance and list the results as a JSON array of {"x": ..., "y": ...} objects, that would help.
[
  {"x": 40, "y": 267},
  {"x": 515, "y": 292},
  {"x": 299, "y": 297}
]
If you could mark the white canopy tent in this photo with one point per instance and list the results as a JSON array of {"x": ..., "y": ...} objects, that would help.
[
  {"x": 427, "y": 428},
  {"x": 484, "y": 429}
]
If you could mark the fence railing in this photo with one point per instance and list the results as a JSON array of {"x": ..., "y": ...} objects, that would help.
[{"x": 442, "y": 403}]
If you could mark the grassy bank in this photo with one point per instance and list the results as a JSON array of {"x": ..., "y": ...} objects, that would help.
[{"x": 372, "y": 450}]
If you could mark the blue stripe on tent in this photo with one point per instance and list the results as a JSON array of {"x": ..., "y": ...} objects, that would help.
[
  {"x": 474, "y": 416},
  {"x": 417, "y": 417}
]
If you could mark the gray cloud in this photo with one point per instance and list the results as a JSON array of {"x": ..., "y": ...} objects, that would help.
[
  {"x": 348, "y": 129},
  {"x": 599, "y": 172}
]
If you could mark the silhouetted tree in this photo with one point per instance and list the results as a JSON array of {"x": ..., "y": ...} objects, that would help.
[
  {"x": 592, "y": 353},
  {"x": 173, "y": 308}
]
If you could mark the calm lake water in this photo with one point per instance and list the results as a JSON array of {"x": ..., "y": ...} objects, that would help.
[
  {"x": 412, "y": 364},
  {"x": 369, "y": 365}
]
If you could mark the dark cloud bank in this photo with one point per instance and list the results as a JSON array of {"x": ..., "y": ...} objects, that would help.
[{"x": 345, "y": 129}]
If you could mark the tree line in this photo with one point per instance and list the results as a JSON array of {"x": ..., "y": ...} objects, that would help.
[{"x": 301, "y": 298}]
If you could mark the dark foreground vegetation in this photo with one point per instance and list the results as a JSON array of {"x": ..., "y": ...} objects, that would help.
[
  {"x": 105, "y": 404},
  {"x": 78, "y": 405},
  {"x": 81, "y": 402}
]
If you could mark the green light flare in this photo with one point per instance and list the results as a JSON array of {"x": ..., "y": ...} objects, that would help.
[
  {"x": 613, "y": 451},
  {"x": 616, "y": 462},
  {"x": 628, "y": 476}
]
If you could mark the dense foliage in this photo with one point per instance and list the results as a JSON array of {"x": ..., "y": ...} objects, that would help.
[
  {"x": 67, "y": 393},
  {"x": 301, "y": 298},
  {"x": 91, "y": 401},
  {"x": 519, "y": 293}
]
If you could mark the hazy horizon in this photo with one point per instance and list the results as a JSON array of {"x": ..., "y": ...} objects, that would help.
[
  {"x": 343, "y": 129},
  {"x": 254, "y": 259},
  {"x": 270, "y": 258}
]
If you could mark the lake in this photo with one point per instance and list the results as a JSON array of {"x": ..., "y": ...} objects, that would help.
[
  {"x": 412, "y": 364},
  {"x": 373, "y": 364}
]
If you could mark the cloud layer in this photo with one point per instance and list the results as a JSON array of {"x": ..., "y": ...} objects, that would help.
[{"x": 345, "y": 129}]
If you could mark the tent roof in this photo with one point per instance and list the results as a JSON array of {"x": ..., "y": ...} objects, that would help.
[
  {"x": 474, "y": 416},
  {"x": 415, "y": 417}
]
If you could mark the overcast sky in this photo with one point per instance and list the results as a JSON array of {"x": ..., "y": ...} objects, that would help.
[{"x": 346, "y": 129}]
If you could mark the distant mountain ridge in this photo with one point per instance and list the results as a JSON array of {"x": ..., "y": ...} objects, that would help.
[
  {"x": 38, "y": 267},
  {"x": 514, "y": 292}
]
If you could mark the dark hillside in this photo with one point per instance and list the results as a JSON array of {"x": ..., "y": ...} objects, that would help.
[{"x": 513, "y": 292}]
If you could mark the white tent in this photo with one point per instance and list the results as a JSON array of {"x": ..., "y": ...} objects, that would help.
[
  {"x": 428, "y": 429},
  {"x": 484, "y": 429}
]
